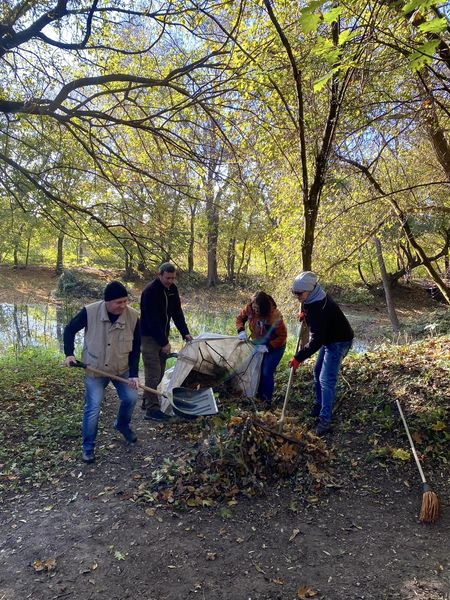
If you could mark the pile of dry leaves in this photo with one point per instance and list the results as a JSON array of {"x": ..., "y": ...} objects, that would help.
[{"x": 240, "y": 458}]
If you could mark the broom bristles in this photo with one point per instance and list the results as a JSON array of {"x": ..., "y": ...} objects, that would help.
[{"x": 429, "y": 511}]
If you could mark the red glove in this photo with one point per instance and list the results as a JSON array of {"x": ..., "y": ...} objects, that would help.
[
  {"x": 294, "y": 364},
  {"x": 301, "y": 316}
]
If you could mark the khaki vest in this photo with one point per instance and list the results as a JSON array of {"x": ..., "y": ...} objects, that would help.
[{"x": 107, "y": 345}]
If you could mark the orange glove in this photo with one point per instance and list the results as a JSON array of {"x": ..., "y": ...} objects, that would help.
[{"x": 294, "y": 364}]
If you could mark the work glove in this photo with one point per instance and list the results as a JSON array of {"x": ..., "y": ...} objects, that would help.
[
  {"x": 242, "y": 336},
  {"x": 261, "y": 348},
  {"x": 301, "y": 316},
  {"x": 294, "y": 364}
]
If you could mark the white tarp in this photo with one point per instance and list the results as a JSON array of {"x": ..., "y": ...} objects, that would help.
[{"x": 213, "y": 354}]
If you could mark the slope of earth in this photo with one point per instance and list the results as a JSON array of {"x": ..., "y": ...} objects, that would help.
[{"x": 101, "y": 531}]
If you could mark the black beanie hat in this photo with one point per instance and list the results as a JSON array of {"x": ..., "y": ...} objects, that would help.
[{"x": 115, "y": 290}]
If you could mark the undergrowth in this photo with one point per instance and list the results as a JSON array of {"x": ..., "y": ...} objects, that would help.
[
  {"x": 39, "y": 418},
  {"x": 41, "y": 405}
]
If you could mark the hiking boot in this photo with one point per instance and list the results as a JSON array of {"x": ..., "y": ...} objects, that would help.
[
  {"x": 128, "y": 434},
  {"x": 154, "y": 414},
  {"x": 88, "y": 456},
  {"x": 315, "y": 411},
  {"x": 323, "y": 427}
]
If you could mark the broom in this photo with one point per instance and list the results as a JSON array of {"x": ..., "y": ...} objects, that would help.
[{"x": 429, "y": 511}]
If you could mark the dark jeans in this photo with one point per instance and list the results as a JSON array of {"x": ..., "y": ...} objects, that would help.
[
  {"x": 154, "y": 367},
  {"x": 269, "y": 366},
  {"x": 326, "y": 372}
]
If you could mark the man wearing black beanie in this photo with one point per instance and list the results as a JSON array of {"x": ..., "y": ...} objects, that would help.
[{"x": 112, "y": 344}]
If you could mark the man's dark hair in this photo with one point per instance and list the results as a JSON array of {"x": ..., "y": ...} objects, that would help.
[{"x": 167, "y": 267}]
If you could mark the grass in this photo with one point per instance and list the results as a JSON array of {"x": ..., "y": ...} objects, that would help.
[
  {"x": 417, "y": 374},
  {"x": 42, "y": 401},
  {"x": 40, "y": 418}
]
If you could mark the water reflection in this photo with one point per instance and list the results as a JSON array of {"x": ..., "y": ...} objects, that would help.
[{"x": 23, "y": 325}]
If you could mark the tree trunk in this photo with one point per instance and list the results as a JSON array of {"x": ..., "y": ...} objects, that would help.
[
  {"x": 386, "y": 285},
  {"x": 212, "y": 212},
  {"x": 60, "y": 255},
  {"x": 80, "y": 252},
  {"x": 27, "y": 255},
  {"x": 403, "y": 219},
  {"x": 193, "y": 210},
  {"x": 231, "y": 258}
]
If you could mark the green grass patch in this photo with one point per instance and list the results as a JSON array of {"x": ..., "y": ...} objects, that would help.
[
  {"x": 41, "y": 404},
  {"x": 418, "y": 375}
]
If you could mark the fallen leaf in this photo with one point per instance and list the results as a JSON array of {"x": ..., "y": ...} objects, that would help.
[
  {"x": 306, "y": 592},
  {"x": 417, "y": 437},
  {"x": 211, "y": 555},
  {"x": 295, "y": 533},
  {"x": 400, "y": 454},
  {"x": 44, "y": 565}
]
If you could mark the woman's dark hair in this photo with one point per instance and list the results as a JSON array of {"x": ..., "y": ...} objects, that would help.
[{"x": 264, "y": 302}]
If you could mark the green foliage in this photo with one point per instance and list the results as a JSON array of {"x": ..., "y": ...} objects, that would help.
[
  {"x": 74, "y": 284},
  {"x": 40, "y": 418},
  {"x": 433, "y": 323},
  {"x": 424, "y": 55}
]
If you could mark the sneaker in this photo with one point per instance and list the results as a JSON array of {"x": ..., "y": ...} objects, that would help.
[
  {"x": 323, "y": 427},
  {"x": 88, "y": 456},
  {"x": 154, "y": 414},
  {"x": 315, "y": 411},
  {"x": 128, "y": 434}
]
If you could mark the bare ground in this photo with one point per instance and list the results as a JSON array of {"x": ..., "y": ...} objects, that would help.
[{"x": 360, "y": 540}]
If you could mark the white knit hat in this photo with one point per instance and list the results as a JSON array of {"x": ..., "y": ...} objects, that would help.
[{"x": 305, "y": 282}]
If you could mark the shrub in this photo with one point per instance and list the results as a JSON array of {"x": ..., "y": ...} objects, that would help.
[{"x": 73, "y": 284}]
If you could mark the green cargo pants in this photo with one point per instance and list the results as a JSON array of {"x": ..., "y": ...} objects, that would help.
[{"x": 154, "y": 367}]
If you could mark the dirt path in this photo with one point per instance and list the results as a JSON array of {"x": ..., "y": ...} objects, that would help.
[{"x": 361, "y": 541}]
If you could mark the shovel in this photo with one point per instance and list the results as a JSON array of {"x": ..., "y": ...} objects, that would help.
[{"x": 192, "y": 403}]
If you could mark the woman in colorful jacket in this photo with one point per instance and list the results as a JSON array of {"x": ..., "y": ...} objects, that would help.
[{"x": 268, "y": 332}]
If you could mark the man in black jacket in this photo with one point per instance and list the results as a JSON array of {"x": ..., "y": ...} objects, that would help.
[
  {"x": 330, "y": 334},
  {"x": 160, "y": 302}
]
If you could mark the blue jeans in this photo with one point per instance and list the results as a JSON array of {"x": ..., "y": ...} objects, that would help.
[
  {"x": 268, "y": 368},
  {"x": 94, "y": 393},
  {"x": 326, "y": 372}
]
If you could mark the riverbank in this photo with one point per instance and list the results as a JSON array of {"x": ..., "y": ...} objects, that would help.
[{"x": 34, "y": 285}]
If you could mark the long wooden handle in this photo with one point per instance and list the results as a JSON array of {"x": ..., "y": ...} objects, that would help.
[
  {"x": 411, "y": 443},
  {"x": 286, "y": 397},
  {"x": 121, "y": 379},
  {"x": 291, "y": 376}
]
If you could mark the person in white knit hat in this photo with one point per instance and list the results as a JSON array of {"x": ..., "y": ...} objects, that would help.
[{"x": 330, "y": 334}]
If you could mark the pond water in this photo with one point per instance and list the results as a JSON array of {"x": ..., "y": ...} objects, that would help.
[{"x": 25, "y": 325}]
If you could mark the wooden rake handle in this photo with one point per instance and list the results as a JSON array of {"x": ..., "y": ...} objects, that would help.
[{"x": 111, "y": 376}]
